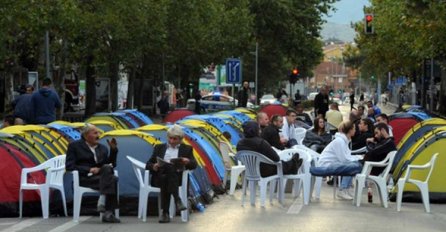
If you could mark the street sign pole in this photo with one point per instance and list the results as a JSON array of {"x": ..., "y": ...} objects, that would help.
[{"x": 256, "y": 72}]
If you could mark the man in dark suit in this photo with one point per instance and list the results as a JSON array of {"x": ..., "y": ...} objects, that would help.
[
  {"x": 95, "y": 167},
  {"x": 167, "y": 174}
]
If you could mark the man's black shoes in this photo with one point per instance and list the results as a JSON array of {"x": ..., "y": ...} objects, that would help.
[
  {"x": 164, "y": 218},
  {"x": 179, "y": 206},
  {"x": 297, "y": 160},
  {"x": 110, "y": 218}
]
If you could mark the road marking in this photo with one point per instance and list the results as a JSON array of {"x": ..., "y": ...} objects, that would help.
[
  {"x": 69, "y": 225},
  {"x": 6, "y": 223},
  {"x": 296, "y": 207},
  {"x": 22, "y": 224}
]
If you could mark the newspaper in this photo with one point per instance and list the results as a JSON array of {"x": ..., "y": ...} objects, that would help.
[{"x": 177, "y": 163}]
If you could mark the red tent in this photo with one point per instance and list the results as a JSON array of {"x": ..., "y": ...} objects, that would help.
[
  {"x": 401, "y": 124},
  {"x": 273, "y": 109},
  {"x": 177, "y": 114},
  {"x": 13, "y": 160}
]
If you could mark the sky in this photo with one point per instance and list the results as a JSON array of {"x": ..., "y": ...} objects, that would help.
[{"x": 347, "y": 11}]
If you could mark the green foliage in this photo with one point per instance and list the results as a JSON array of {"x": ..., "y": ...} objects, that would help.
[
  {"x": 148, "y": 36},
  {"x": 307, "y": 104}
]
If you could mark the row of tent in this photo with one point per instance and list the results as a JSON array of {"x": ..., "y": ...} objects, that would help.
[
  {"x": 136, "y": 134},
  {"x": 417, "y": 134}
]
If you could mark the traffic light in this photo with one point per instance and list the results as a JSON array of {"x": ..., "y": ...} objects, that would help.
[
  {"x": 294, "y": 75},
  {"x": 368, "y": 24}
]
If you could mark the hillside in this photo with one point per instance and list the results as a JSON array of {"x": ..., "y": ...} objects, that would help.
[{"x": 339, "y": 31}]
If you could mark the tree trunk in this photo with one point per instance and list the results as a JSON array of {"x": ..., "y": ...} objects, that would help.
[
  {"x": 114, "y": 76},
  {"x": 9, "y": 89},
  {"x": 131, "y": 88},
  {"x": 90, "y": 102},
  {"x": 442, "y": 94}
]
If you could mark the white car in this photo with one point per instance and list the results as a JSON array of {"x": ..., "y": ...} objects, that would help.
[
  {"x": 312, "y": 95},
  {"x": 268, "y": 99}
]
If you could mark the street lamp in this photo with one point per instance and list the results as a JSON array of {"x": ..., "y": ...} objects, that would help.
[{"x": 256, "y": 53}]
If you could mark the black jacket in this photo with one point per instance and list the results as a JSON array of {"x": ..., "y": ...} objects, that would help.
[
  {"x": 321, "y": 104},
  {"x": 359, "y": 140},
  {"x": 271, "y": 135},
  {"x": 378, "y": 152},
  {"x": 261, "y": 146},
  {"x": 81, "y": 158},
  {"x": 160, "y": 150}
]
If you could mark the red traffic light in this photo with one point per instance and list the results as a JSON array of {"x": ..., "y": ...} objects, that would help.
[
  {"x": 295, "y": 71},
  {"x": 369, "y": 18}
]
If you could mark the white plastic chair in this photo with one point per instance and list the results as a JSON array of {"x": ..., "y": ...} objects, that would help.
[
  {"x": 380, "y": 180},
  {"x": 55, "y": 169},
  {"x": 300, "y": 134},
  {"x": 182, "y": 192},
  {"x": 422, "y": 185},
  {"x": 235, "y": 170},
  {"x": 317, "y": 183},
  {"x": 302, "y": 176},
  {"x": 145, "y": 189},
  {"x": 79, "y": 191},
  {"x": 361, "y": 150},
  {"x": 252, "y": 161}
]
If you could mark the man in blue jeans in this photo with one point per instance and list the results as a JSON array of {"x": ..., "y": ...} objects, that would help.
[{"x": 336, "y": 159}]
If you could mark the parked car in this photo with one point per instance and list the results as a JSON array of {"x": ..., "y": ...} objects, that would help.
[
  {"x": 268, "y": 99},
  {"x": 312, "y": 95},
  {"x": 216, "y": 102}
]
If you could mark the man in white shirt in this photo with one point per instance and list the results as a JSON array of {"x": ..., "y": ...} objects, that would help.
[{"x": 288, "y": 134}]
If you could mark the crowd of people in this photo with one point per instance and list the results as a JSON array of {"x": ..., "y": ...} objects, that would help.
[
  {"x": 34, "y": 107},
  {"x": 333, "y": 137}
]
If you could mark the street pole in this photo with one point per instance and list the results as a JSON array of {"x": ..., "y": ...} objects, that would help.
[
  {"x": 47, "y": 54},
  {"x": 256, "y": 71},
  {"x": 431, "y": 102}
]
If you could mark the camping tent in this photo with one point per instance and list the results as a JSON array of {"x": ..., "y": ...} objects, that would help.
[
  {"x": 420, "y": 153},
  {"x": 176, "y": 115}
]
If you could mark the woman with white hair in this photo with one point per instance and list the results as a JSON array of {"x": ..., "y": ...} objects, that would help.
[{"x": 166, "y": 166}]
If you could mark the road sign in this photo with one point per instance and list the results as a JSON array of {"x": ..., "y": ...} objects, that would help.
[{"x": 233, "y": 71}]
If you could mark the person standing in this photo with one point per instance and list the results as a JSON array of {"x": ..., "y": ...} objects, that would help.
[
  {"x": 243, "y": 95},
  {"x": 22, "y": 105},
  {"x": 163, "y": 104},
  {"x": 95, "y": 168},
  {"x": 321, "y": 102},
  {"x": 197, "y": 98},
  {"x": 169, "y": 176},
  {"x": 334, "y": 117},
  {"x": 352, "y": 101},
  {"x": 297, "y": 98},
  {"x": 44, "y": 103}
]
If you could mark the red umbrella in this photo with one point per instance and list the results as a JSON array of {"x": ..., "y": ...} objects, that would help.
[
  {"x": 272, "y": 109},
  {"x": 177, "y": 114}
]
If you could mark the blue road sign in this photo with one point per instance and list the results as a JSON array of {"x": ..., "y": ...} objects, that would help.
[{"x": 233, "y": 71}]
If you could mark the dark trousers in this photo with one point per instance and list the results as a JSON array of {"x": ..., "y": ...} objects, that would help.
[
  {"x": 288, "y": 167},
  {"x": 169, "y": 181},
  {"x": 106, "y": 182}
]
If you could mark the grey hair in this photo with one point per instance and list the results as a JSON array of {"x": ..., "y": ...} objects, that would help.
[
  {"x": 86, "y": 128},
  {"x": 175, "y": 131}
]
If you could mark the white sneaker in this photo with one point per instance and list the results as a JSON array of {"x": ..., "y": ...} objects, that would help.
[
  {"x": 351, "y": 192},
  {"x": 343, "y": 194}
]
